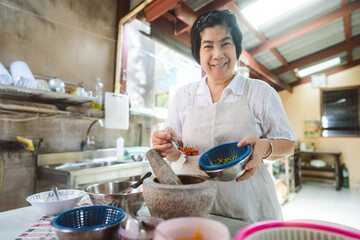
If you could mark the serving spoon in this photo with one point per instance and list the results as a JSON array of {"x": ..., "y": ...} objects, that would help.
[
  {"x": 54, "y": 189},
  {"x": 135, "y": 185},
  {"x": 178, "y": 148}
]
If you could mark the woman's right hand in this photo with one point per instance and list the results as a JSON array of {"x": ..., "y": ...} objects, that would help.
[{"x": 161, "y": 142}]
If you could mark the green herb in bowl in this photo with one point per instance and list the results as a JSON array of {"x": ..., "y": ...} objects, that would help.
[{"x": 221, "y": 160}]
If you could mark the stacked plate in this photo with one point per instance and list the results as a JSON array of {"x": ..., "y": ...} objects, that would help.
[{"x": 317, "y": 163}]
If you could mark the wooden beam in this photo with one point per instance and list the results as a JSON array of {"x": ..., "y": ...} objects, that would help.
[
  {"x": 318, "y": 56},
  {"x": 170, "y": 17},
  {"x": 258, "y": 67},
  {"x": 347, "y": 29},
  {"x": 159, "y": 8},
  {"x": 167, "y": 27},
  {"x": 307, "y": 27},
  {"x": 181, "y": 27},
  {"x": 185, "y": 18},
  {"x": 343, "y": 67},
  {"x": 216, "y": 4},
  {"x": 185, "y": 14},
  {"x": 241, "y": 18},
  {"x": 122, "y": 9},
  {"x": 329, "y": 72}
]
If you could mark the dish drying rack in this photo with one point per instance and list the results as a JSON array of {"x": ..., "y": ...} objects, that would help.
[{"x": 61, "y": 100}]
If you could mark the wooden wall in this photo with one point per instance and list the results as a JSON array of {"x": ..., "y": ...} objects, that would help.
[
  {"x": 74, "y": 40},
  {"x": 69, "y": 39}
]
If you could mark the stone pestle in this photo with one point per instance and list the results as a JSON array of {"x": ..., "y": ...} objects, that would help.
[{"x": 162, "y": 170}]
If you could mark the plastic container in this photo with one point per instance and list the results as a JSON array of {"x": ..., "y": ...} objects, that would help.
[
  {"x": 99, "y": 92},
  {"x": 269, "y": 230},
  {"x": 191, "y": 227},
  {"x": 120, "y": 148}
]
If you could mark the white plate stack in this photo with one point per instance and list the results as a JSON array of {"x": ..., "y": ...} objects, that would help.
[{"x": 5, "y": 77}]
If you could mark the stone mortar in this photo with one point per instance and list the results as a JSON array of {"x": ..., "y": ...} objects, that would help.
[{"x": 194, "y": 198}]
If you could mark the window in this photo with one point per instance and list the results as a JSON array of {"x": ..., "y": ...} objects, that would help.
[
  {"x": 154, "y": 70},
  {"x": 340, "y": 112}
]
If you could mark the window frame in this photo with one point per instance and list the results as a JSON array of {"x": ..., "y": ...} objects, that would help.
[{"x": 322, "y": 90}]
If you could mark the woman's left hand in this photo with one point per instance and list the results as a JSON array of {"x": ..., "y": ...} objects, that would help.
[{"x": 260, "y": 149}]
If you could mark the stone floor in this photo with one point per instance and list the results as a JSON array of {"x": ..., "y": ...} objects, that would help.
[{"x": 319, "y": 201}]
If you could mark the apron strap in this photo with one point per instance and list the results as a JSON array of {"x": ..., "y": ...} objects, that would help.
[
  {"x": 193, "y": 95},
  {"x": 246, "y": 88}
]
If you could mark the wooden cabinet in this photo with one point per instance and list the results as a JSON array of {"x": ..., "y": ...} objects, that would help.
[{"x": 329, "y": 173}]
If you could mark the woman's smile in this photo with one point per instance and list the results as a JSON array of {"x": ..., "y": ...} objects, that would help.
[{"x": 219, "y": 65}]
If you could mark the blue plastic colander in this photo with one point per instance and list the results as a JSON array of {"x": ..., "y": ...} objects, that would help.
[
  {"x": 223, "y": 151},
  {"x": 88, "y": 218}
]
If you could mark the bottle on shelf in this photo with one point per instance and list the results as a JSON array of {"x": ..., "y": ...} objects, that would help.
[
  {"x": 345, "y": 174},
  {"x": 120, "y": 148},
  {"x": 99, "y": 92},
  {"x": 312, "y": 146}
]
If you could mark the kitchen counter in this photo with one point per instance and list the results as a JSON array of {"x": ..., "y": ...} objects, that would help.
[
  {"x": 15, "y": 222},
  {"x": 75, "y": 170}
]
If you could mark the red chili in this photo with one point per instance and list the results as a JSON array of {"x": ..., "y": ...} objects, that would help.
[{"x": 189, "y": 150}]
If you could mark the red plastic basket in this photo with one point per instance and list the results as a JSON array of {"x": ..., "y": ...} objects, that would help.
[{"x": 276, "y": 230}]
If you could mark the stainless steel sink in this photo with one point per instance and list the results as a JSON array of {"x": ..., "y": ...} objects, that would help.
[
  {"x": 80, "y": 169},
  {"x": 76, "y": 166}
]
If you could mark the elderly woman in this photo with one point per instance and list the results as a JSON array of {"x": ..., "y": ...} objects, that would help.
[{"x": 226, "y": 107}]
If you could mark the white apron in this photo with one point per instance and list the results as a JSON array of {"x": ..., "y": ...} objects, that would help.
[{"x": 251, "y": 200}]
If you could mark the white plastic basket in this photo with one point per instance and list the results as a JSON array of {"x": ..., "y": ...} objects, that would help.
[{"x": 276, "y": 230}]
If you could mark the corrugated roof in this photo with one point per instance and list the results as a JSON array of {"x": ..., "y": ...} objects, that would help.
[
  {"x": 355, "y": 23},
  {"x": 310, "y": 10},
  {"x": 309, "y": 34},
  {"x": 317, "y": 40},
  {"x": 268, "y": 60}
]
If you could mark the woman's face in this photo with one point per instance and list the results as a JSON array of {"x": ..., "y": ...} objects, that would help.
[{"x": 217, "y": 53}]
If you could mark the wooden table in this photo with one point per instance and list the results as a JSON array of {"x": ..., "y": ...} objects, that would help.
[{"x": 329, "y": 173}]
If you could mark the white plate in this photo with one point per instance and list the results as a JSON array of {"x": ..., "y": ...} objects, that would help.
[
  {"x": 42, "y": 85},
  {"x": 317, "y": 163}
]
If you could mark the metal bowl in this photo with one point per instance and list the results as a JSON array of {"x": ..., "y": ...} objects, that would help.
[
  {"x": 108, "y": 194},
  {"x": 228, "y": 171}
]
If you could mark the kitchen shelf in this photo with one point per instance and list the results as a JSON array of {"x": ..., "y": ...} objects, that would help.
[
  {"x": 61, "y": 100},
  {"x": 282, "y": 171},
  {"x": 327, "y": 174},
  {"x": 327, "y": 169}
]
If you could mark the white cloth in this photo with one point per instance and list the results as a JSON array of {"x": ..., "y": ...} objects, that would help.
[{"x": 264, "y": 103}]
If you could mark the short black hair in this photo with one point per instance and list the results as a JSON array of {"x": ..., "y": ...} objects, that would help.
[{"x": 211, "y": 19}]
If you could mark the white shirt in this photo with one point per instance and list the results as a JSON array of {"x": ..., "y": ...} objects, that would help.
[{"x": 264, "y": 102}]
